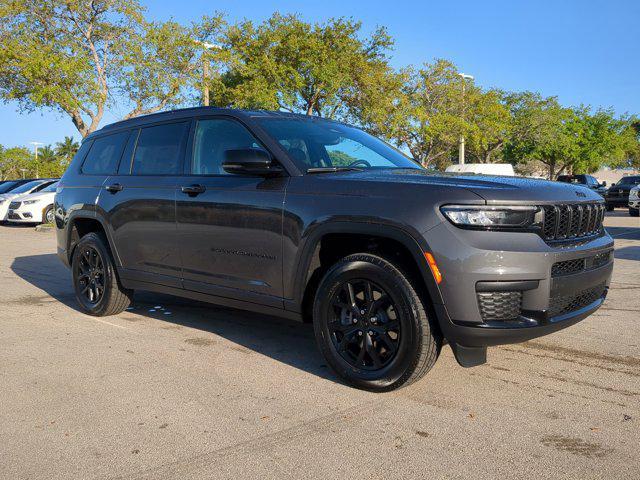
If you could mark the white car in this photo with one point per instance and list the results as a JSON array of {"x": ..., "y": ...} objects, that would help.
[
  {"x": 33, "y": 207},
  {"x": 634, "y": 201},
  {"x": 29, "y": 187}
]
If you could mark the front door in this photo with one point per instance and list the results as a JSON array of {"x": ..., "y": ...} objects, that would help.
[{"x": 229, "y": 225}]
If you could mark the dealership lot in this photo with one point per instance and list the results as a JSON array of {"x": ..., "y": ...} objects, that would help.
[{"x": 179, "y": 389}]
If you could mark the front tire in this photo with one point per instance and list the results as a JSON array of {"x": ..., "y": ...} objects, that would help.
[
  {"x": 372, "y": 326},
  {"x": 634, "y": 212},
  {"x": 610, "y": 207},
  {"x": 95, "y": 281},
  {"x": 48, "y": 217}
]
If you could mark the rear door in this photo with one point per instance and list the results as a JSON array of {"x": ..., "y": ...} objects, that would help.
[
  {"x": 231, "y": 231},
  {"x": 139, "y": 203}
]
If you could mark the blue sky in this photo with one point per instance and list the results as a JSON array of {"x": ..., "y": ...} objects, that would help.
[{"x": 581, "y": 51}]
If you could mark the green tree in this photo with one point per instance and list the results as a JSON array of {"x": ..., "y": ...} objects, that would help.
[
  {"x": 288, "y": 64},
  {"x": 67, "y": 148},
  {"x": 47, "y": 154},
  {"x": 81, "y": 57},
  {"x": 425, "y": 115},
  {"x": 487, "y": 124},
  {"x": 15, "y": 163}
]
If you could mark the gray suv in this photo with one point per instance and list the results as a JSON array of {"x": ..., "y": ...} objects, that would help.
[{"x": 318, "y": 221}]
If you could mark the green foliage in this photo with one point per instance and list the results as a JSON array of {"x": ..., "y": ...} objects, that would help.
[
  {"x": 20, "y": 162},
  {"x": 81, "y": 58},
  {"x": 288, "y": 64},
  {"x": 75, "y": 57}
]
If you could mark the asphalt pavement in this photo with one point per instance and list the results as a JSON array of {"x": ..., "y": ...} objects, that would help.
[{"x": 176, "y": 389}]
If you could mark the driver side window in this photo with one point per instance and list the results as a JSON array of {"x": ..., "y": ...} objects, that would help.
[{"x": 347, "y": 152}]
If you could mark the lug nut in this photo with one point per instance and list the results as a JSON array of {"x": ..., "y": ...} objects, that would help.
[{"x": 361, "y": 312}]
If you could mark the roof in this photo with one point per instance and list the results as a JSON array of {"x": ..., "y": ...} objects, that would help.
[{"x": 193, "y": 111}]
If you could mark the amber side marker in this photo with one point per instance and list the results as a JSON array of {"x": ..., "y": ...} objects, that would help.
[{"x": 434, "y": 267}]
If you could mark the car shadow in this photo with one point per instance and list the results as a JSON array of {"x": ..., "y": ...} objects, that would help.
[
  {"x": 283, "y": 340},
  {"x": 624, "y": 233},
  {"x": 627, "y": 253}
]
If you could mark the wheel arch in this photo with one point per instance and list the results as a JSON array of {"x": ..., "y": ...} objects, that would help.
[
  {"x": 82, "y": 222},
  {"x": 367, "y": 237}
]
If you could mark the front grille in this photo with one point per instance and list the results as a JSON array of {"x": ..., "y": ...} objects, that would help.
[
  {"x": 561, "y": 304},
  {"x": 499, "y": 305},
  {"x": 572, "y": 222},
  {"x": 15, "y": 205},
  {"x": 14, "y": 216},
  {"x": 569, "y": 267}
]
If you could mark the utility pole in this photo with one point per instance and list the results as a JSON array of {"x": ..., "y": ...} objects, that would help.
[
  {"x": 464, "y": 77},
  {"x": 36, "y": 145}
]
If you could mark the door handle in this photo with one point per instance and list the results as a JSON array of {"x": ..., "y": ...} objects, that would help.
[
  {"x": 114, "y": 188},
  {"x": 193, "y": 190}
]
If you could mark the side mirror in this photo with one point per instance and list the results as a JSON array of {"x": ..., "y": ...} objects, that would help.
[
  {"x": 250, "y": 161},
  {"x": 604, "y": 184},
  {"x": 613, "y": 184}
]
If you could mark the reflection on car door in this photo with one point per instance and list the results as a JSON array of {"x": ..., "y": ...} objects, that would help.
[{"x": 230, "y": 227}]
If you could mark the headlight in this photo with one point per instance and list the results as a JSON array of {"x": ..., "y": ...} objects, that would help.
[
  {"x": 30, "y": 202},
  {"x": 494, "y": 217}
]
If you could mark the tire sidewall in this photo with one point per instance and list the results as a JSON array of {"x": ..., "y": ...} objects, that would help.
[
  {"x": 410, "y": 326},
  {"x": 94, "y": 241}
]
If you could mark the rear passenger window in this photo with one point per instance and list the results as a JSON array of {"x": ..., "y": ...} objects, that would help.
[
  {"x": 159, "y": 149},
  {"x": 104, "y": 155}
]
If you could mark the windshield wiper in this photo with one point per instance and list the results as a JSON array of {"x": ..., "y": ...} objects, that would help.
[{"x": 333, "y": 169}]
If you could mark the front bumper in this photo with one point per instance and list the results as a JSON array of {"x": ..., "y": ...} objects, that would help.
[
  {"x": 22, "y": 215},
  {"x": 473, "y": 263},
  {"x": 617, "y": 201}
]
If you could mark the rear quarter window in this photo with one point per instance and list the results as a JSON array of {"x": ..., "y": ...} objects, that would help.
[{"x": 104, "y": 155}]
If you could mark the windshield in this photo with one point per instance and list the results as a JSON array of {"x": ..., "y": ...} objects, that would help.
[
  {"x": 5, "y": 187},
  {"x": 629, "y": 181},
  {"x": 319, "y": 143},
  {"x": 27, "y": 187},
  {"x": 50, "y": 188}
]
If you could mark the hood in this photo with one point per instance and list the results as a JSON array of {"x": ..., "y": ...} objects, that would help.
[
  {"x": 493, "y": 189},
  {"x": 35, "y": 196}
]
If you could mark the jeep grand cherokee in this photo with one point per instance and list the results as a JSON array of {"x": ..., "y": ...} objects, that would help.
[{"x": 317, "y": 220}]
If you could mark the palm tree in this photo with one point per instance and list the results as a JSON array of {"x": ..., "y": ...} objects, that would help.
[
  {"x": 67, "y": 148},
  {"x": 47, "y": 154}
]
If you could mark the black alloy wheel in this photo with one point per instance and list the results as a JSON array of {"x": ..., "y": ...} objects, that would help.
[
  {"x": 372, "y": 326},
  {"x": 365, "y": 328},
  {"x": 90, "y": 275},
  {"x": 95, "y": 280}
]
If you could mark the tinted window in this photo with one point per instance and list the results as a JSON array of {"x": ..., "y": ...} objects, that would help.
[
  {"x": 5, "y": 187},
  {"x": 629, "y": 181},
  {"x": 42, "y": 187},
  {"x": 50, "y": 188},
  {"x": 104, "y": 154},
  {"x": 318, "y": 143},
  {"x": 159, "y": 149},
  {"x": 212, "y": 138},
  {"x": 27, "y": 187}
]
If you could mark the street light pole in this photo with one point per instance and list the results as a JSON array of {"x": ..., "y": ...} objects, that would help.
[
  {"x": 205, "y": 71},
  {"x": 35, "y": 145},
  {"x": 464, "y": 77}
]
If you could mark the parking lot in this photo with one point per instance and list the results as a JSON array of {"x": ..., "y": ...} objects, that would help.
[{"x": 179, "y": 389}]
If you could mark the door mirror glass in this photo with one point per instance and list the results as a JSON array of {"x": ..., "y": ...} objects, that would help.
[{"x": 250, "y": 161}]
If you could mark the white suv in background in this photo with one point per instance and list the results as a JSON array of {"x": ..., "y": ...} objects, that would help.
[
  {"x": 30, "y": 187},
  {"x": 634, "y": 201}
]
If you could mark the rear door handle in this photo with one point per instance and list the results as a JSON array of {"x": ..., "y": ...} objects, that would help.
[
  {"x": 193, "y": 190},
  {"x": 114, "y": 188}
]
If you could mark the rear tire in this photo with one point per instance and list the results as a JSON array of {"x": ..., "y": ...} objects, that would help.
[
  {"x": 96, "y": 284},
  {"x": 634, "y": 212},
  {"x": 371, "y": 325}
]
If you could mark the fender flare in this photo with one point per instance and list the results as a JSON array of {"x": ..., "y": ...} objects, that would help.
[
  {"x": 312, "y": 239},
  {"x": 81, "y": 214}
]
